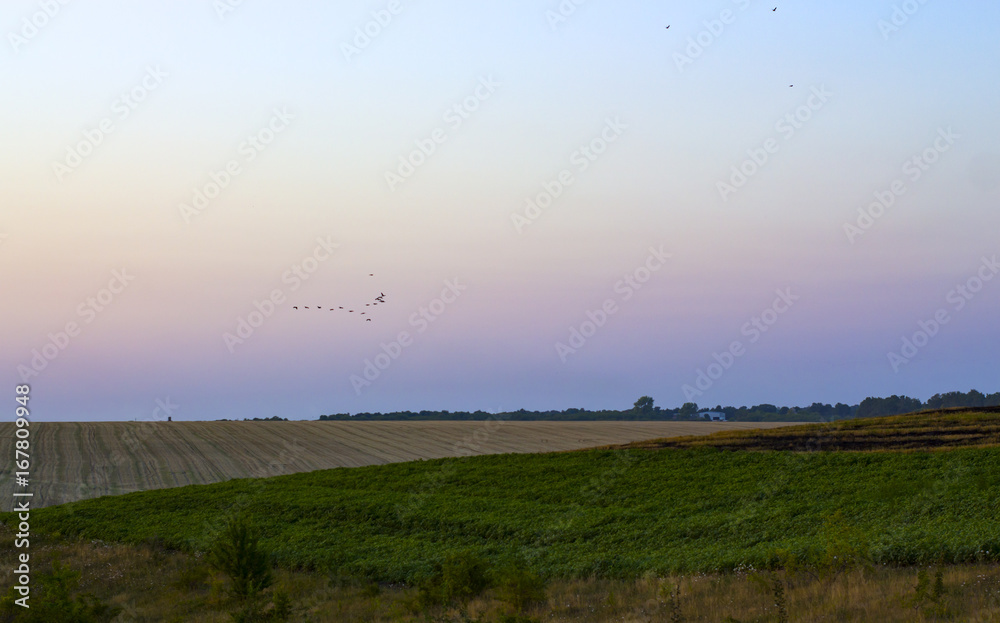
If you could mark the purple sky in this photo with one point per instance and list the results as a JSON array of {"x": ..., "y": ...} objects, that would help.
[{"x": 562, "y": 210}]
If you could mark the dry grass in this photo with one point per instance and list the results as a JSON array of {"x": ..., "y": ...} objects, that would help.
[
  {"x": 155, "y": 585},
  {"x": 943, "y": 429},
  {"x": 73, "y": 461}
]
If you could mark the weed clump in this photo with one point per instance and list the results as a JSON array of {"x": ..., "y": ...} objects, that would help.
[{"x": 518, "y": 586}]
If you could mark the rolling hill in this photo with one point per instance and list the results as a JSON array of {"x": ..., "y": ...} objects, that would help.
[{"x": 80, "y": 460}]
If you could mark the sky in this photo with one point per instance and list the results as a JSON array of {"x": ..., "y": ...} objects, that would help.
[{"x": 565, "y": 204}]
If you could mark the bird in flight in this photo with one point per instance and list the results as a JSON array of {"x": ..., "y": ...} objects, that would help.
[
  {"x": 668, "y": 26},
  {"x": 377, "y": 300},
  {"x": 774, "y": 9}
]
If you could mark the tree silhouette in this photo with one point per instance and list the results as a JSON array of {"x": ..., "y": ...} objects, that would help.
[
  {"x": 643, "y": 406},
  {"x": 688, "y": 409}
]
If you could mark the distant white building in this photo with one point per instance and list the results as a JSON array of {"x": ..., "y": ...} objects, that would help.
[{"x": 717, "y": 416}]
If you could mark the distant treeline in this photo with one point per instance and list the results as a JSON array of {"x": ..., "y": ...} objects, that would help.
[
  {"x": 273, "y": 418},
  {"x": 568, "y": 415},
  {"x": 644, "y": 409},
  {"x": 894, "y": 405}
]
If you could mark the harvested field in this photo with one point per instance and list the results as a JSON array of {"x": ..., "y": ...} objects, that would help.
[
  {"x": 943, "y": 429},
  {"x": 80, "y": 460}
]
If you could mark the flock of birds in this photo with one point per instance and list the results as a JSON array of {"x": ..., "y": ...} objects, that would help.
[
  {"x": 379, "y": 300},
  {"x": 772, "y": 10}
]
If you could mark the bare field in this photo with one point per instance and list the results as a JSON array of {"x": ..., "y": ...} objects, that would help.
[
  {"x": 941, "y": 429},
  {"x": 79, "y": 460}
]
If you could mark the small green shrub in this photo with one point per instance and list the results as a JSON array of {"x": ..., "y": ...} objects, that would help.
[
  {"x": 673, "y": 595},
  {"x": 281, "y": 609},
  {"x": 459, "y": 578},
  {"x": 238, "y": 554},
  {"x": 927, "y": 597},
  {"x": 55, "y": 603},
  {"x": 371, "y": 590},
  {"x": 771, "y": 584},
  {"x": 921, "y": 590},
  {"x": 193, "y": 577},
  {"x": 518, "y": 586},
  {"x": 256, "y": 611},
  {"x": 780, "y": 602},
  {"x": 938, "y": 591}
]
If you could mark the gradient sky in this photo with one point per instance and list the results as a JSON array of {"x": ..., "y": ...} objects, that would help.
[{"x": 220, "y": 75}]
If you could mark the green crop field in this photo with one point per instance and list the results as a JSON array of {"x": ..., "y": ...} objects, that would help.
[{"x": 613, "y": 513}]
